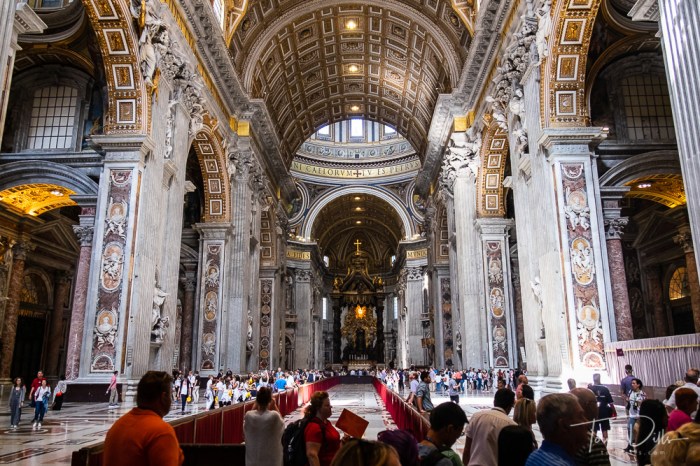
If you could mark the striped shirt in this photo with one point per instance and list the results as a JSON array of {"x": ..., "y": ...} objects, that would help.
[{"x": 550, "y": 454}]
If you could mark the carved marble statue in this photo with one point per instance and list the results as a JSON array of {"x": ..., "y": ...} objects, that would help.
[
  {"x": 159, "y": 324},
  {"x": 544, "y": 28}
]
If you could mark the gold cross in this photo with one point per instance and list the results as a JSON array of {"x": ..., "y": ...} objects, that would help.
[{"x": 357, "y": 243}]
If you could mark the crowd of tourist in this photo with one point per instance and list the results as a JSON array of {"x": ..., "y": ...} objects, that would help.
[{"x": 573, "y": 425}]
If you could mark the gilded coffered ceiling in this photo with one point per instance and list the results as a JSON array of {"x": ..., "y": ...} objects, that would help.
[
  {"x": 316, "y": 62},
  {"x": 367, "y": 218}
]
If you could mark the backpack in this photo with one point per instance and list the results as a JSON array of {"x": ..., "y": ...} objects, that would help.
[
  {"x": 434, "y": 457},
  {"x": 294, "y": 443}
]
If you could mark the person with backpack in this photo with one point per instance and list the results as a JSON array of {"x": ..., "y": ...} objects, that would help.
[
  {"x": 446, "y": 425},
  {"x": 312, "y": 440}
]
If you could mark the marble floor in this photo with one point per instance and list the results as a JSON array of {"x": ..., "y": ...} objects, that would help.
[{"x": 81, "y": 424}]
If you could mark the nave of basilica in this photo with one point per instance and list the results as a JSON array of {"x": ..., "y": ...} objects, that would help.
[{"x": 251, "y": 184}]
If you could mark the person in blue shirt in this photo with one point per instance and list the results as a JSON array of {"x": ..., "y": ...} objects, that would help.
[
  {"x": 564, "y": 427},
  {"x": 281, "y": 383}
]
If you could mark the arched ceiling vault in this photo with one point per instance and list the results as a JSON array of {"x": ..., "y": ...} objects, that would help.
[
  {"x": 312, "y": 68},
  {"x": 336, "y": 227}
]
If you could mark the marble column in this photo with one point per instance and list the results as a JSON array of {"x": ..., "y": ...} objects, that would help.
[
  {"x": 337, "y": 356},
  {"x": 413, "y": 300},
  {"x": 498, "y": 301},
  {"x": 77, "y": 319},
  {"x": 208, "y": 340},
  {"x": 679, "y": 23},
  {"x": 654, "y": 292},
  {"x": 618, "y": 278},
  {"x": 379, "y": 355},
  {"x": 16, "y": 17},
  {"x": 581, "y": 325},
  {"x": 469, "y": 285},
  {"x": 303, "y": 332},
  {"x": 9, "y": 327},
  {"x": 684, "y": 239},
  {"x": 190, "y": 285},
  {"x": 517, "y": 308},
  {"x": 61, "y": 293}
]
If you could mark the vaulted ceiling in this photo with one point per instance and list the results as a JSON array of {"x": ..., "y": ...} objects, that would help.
[
  {"x": 358, "y": 216},
  {"x": 315, "y": 62}
]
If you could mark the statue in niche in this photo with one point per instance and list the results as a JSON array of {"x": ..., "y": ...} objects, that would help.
[{"x": 159, "y": 324}]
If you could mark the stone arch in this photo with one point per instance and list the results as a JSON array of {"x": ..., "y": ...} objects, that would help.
[
  {"x": 494, "y": 156},
  {"x": 385, "y": 195},
  {"x": 44, "y": 172},
  {"x": 563, "y": 72},
  {"x": 660, "y": 162},
  {"x": 128, "y": 100},
  {"x": 217, "y": 190},
  {"x": 45, "y": 281},
  {"x": 236, "y": 12}
]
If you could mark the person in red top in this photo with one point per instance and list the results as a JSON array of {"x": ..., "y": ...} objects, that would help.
[
  {"x": 36, "y": 383},
  {"x": 141, "y": 437},
  {"x": 322, "y": 439},
  {"x": 686, "y": 403}
]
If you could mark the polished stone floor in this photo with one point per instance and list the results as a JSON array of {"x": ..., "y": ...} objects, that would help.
[{"x": 81, "y": 424}]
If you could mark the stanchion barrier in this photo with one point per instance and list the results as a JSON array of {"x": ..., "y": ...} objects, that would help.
[
  {"x": 217, "y": 426},
  {"x": 233, "y": 424},
  {"x": 405, "y": 416},
  {"x": 207, "y": 427}
]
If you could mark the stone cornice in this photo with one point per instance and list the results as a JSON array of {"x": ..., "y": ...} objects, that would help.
[
  {"x": 220, "y": 69},
  {"x": 482, "y": 51}
]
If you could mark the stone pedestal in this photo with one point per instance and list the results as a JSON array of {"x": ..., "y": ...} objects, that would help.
[
  {"x": 618, "y": 278},
  {"x": 9, "y": 326},
  {"x": 84, "y": 231},
  {"x": 55, "y": 341}
]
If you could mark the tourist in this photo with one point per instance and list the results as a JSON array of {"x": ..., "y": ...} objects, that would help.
[
  {"x": 453, "y": 388},
  {"x": 564, "y": 428},
  {"x": 605, "y": 406},
  {"x": 652, "y": 426},
  {"x": 59, "y": 392},
  {"x": 481, "y": 444},
  {"x": 358, "y": 452},
  {"x": 686, "y": 403},
  {"x": 669, "y": 392},
  {"x": 423, "y": 401},
  {"x": 16, "y": 400},
  {"x": 626, "y": 386},
  {"x": 41, "y": 403},
  {"x": 635, "y": 397},
  {"x": 263, "y": 427},
  {"x": 322, "y": 439},
  {"x": 184, "y": 392},
  {"x": 141, "y": 436},
  {"x": 194, "y": 387},
  {"x": 446, "y": 425},
  {"x": 594, "y": 452},
  {"x": 405, "y": 444},
  {"x": 36, "y": 383},
  {"x": 525, "y": 415},
  {"x": 515, "y": 445},
  {"x": 691, "y": 382},
  {"x": 112, "y": 391}
]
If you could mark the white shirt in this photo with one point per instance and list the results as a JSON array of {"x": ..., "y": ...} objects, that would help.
[
  {"x": 672, "y": 400},
  {"x": 483, "y": 430}
]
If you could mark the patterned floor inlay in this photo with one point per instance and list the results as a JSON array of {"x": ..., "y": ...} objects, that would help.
[{"x": 24, "y": 454}]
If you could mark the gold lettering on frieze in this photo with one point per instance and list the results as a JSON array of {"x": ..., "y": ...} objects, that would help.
[
  {"x": 417, "y": 254},
  {"x": 300, "y": 255},
  {"x": 350, "y": 173}
]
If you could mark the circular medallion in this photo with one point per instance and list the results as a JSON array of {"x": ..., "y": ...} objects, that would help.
[
  {"x": 265, "y": 320},
  {"x": 265, "y": 309},
  {"x": 264, "y": 353}
]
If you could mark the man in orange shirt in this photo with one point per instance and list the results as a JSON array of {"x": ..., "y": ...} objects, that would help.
[{"x": 141, "y": 437}]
